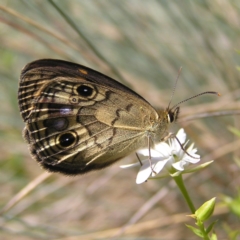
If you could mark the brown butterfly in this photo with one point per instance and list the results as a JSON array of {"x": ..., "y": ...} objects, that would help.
[{"x": 78, "y": 119}]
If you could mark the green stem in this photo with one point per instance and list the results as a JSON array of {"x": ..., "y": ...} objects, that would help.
[
  {"x": 180, "y": 184},
  {"x": 202, "y": 228}
]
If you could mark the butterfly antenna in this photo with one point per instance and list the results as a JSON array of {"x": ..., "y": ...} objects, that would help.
[
  {"x": 174, "y": 87},
  {"x": 203, "y": 93}
]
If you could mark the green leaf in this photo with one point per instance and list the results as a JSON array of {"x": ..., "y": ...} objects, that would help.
[
  {"x": 234, "y": 131},
  {"x": 210, "y": 227},
  {"x": 233, "y": 204},
  {"x": 197, "y": 168},
  {"x": 195, "y": 230}
]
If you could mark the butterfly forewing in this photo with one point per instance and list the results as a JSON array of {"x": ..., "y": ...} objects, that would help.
[{"x": 79, "y": 120}]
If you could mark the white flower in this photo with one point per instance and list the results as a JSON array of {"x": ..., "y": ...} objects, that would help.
[{"x": 167, "y": 159}]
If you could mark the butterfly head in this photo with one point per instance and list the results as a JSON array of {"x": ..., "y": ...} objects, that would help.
[{"x": 165, "y": 117}]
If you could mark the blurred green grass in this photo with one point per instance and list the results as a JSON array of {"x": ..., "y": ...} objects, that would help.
[{"x": 146, "y": 42}]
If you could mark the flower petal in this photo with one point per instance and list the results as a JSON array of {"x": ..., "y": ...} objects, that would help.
[
  {"x": 179, "y": 165},
  {"x": 181, "y": 135},
  {"x": 163, "y": 149},
  {"x": 130, "y": 165},
  {"x": 189, "y": 159},
  {"x": 160, "y": 165},
  {"x": 145, "y": 152},
  {"x": 144, "y": 173}
]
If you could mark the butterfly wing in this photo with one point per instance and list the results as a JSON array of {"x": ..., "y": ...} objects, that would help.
[{"x": 78, "y": 119}]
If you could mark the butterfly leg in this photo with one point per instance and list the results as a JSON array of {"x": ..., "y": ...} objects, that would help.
[
  {"x": 139, "y": 159},
  {"x": 172, "y": 135}
]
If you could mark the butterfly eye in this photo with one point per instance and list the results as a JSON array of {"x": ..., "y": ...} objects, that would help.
[
  {"x": 85, "y": 90},
  {"x": 173, "y": 115},
  {"x": 67, "y": 139}
]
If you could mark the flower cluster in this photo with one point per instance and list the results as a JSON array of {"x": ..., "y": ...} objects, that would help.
[{"x": 167, "y": 158}]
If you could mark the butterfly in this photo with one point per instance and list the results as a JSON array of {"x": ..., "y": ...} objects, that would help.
[{"x": 78, "y": 120}]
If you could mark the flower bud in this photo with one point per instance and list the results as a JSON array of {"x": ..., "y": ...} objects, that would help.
[{"x": 206, "y": 210}]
